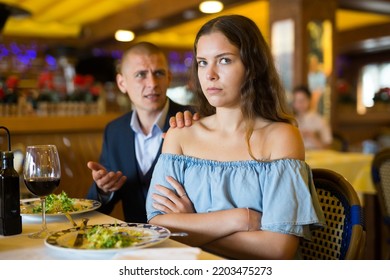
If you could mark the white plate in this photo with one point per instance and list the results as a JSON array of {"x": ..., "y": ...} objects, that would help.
[
  {"x": 64, "y": 240},
  {"x": 84, "y": 205}
]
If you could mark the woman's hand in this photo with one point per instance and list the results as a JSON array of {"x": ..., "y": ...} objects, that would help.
[{"x": 170, "y": 201}]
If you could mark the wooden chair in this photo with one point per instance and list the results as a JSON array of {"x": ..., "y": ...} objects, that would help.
[
  {"x": 344, "y": 235},
  {"x": 381, "y": 178}
]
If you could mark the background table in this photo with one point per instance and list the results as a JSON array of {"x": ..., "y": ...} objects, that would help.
[
  {"x": 355, "y": 167},
  {"x": 21, "y": 247}
]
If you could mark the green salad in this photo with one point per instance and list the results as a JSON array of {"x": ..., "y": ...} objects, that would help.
[
  {"x": 57, "y": 203},
  {"x": 100, "y": 237}
]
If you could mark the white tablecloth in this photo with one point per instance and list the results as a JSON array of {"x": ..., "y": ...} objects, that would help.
[
  {"x": 355, "y": 167},
  {"x": 21, "y": 247}
]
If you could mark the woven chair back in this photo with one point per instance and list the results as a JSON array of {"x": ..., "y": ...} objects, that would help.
[
  {"x": 381, "y": 178},
  {"x": 342, "y": 237}
]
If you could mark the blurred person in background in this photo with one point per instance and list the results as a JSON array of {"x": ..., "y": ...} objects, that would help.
[{"x": 315, "y": 130}]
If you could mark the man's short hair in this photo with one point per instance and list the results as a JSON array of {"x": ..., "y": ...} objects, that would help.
[{"x": 142, "y": 48}]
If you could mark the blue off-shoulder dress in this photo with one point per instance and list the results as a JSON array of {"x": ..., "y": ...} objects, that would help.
[{"x": 282, "y": 190}]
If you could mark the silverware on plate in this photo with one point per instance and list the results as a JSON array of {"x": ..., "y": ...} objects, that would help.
[
  {"x": 172, "y": 234},
  {"x": 69, "y": 217},
  {"x": 80, "y": 235}
]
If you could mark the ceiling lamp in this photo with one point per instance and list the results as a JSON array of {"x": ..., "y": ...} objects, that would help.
[
  {"x": 124, "y": 35},
  {"x": 211, "y": 7}
]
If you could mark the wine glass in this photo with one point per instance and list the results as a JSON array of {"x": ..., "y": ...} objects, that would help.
[{"x": 42, "y": 174}]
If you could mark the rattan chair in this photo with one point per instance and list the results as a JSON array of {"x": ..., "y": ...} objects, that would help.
[
  {"x": 381, "y": 178},
  {"x": 344, "y": 236}
]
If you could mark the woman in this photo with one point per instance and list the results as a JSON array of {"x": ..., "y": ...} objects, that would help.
[
  {"x": 248, "y": 192},
  {"x": 315, "y": 131}
]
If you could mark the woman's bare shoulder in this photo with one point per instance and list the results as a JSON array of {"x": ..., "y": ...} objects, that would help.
[
  {"x": 176, "y": 138},
  {"x": 285, "y": 141},
  {"x": 172, "y": 141},
  {"x": 283, "y": 128}
]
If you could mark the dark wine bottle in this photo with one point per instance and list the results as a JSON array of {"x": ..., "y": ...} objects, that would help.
[{"x": 10, "y": 219}]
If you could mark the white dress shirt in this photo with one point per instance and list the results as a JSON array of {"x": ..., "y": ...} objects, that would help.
[{"x": 147, "y": 146}]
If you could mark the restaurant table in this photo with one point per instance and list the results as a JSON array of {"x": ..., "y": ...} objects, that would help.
[
  {"x": 355, "y": 167},
  {"x": 21, "y": 247}
]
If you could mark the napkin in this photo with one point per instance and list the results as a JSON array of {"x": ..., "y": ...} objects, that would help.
[{"x": 190, "y": 253}]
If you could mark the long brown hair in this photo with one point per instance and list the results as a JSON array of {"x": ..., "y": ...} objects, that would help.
[{"x": 262, "y": 94}]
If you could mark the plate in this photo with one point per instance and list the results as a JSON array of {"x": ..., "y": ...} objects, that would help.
[
  {"x": 84, "y": 205},
  {"x": 151, "y": 235}
]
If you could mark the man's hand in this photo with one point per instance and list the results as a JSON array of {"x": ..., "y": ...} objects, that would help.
[
  {"x": 106, "y": 181},
  {"x": 183, "y": 119}
]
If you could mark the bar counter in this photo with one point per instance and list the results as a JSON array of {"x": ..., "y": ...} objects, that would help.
[{"x": 26, "y": 125}]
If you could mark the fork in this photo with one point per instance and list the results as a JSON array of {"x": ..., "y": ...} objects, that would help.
[
  {"x": 80, "y": 235},
  {"x": 70, "y": 219}
]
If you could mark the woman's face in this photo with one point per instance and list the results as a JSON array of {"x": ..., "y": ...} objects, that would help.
[{"x": 220, "y": 70}]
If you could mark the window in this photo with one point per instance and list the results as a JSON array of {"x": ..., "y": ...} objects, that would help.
[{"x": 373, "y": 78}]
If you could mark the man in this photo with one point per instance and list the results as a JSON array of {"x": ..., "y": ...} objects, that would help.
[{"x": 132, "y": 142}]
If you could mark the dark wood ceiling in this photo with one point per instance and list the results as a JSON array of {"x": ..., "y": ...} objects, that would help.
[
  {"x": 141, "y": 16},
  {"x": 170, "y": 12},
  {"x": 375, "y": 6},
  {"x": 136, "y": 18},
  {"x": 351, "y": 41}
]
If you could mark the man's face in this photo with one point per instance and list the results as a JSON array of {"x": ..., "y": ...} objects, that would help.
[{"x": 145, "y": 78}]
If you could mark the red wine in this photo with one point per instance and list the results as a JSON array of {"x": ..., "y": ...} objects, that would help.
[{"x": 42, "y": 186}]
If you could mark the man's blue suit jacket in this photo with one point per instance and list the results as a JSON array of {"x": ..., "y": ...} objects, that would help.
[{"x": 118, "y": 154}]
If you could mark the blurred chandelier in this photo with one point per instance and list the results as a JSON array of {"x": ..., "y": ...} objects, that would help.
[
  {"x": 124, "y": 35},
  {"x": 211, "y": 7}
]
